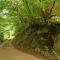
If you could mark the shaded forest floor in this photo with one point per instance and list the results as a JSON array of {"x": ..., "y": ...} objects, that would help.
[{"x": 8, "y": 52}]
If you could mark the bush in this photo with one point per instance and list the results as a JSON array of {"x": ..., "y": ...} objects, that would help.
[{"x": 1, "y": 38}]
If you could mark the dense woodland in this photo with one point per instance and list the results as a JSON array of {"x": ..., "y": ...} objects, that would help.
[{"x": 32, "y": 25}]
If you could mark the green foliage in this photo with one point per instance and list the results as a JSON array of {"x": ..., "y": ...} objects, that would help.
[
  {"x": 23, "y": 14},
  {"x": 33, "y": 13},
  {"x": 1, "y": 38}
]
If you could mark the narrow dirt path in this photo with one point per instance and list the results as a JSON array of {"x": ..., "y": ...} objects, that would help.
[{"x": 10, "y": 53}]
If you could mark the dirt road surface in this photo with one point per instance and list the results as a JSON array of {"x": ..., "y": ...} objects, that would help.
[{"x": 11, "y": 53}]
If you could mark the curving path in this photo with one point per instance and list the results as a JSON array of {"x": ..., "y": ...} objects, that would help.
[{"x": 10, "y": 53}]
